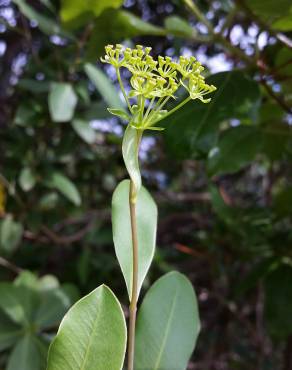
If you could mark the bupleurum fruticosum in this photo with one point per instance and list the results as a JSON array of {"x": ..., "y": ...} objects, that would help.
[{"x": 154, "y": 83}]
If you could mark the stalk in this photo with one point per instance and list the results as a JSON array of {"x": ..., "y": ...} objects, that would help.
[{"x": 134, "y": 297}]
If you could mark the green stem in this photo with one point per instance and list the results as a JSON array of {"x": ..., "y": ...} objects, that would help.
[
  {"x": 181, "y": 104},
  {"x": 123, "y": 89},
  {"x": 134, "y": 295}
]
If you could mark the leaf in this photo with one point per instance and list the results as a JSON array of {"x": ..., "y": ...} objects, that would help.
[
  {"x": 236, "y": 148},
  {"x": 283, "y": 24},
  {"x": 278, "y": 302},
  {"x": 17, "y": 303},
  {"x": 58, "y": 302},
  {"x": 71, "y": 9},
  {"x": 168, "y": 325},
  {"x": 29, "y": 354},
  {"x": 193, "y": 129},
  {"x": 146, "y": 215},
  {"x": 269, "y": 10},
  {"x": 65, "y": 186},
  {"x": 123, "y": 25},
  {"x": 10, "y": 234},
  {"x": 104, "y": 86},
  {"x": 130, "y": 154},
  {"x": 92, "y": 335},
  {"x": 120, "y": 113},
  {"x": 62, "y": 101},
  {"x": 46, "y": 24},
  {"x": 84, "y": 130},
  {"x": 27, "y": 179},
  {"x": 178, "y": 26},
  {"x": 9, "y": 332}
]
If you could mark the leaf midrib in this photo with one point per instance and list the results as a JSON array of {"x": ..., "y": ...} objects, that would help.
[
  {"x": 98, "y": 312},
  {"x": 166, "y": 331}
]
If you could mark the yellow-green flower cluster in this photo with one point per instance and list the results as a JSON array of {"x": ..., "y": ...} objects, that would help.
[{"x": 154, "y": 82}]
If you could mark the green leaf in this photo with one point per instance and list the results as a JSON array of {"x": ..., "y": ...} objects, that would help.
[
  {"x": 283, "y": 24},
  {"x": 168, "y": 325},
  {"x": 269, "y": 10},
  {"x": 178, "y": 26},
  {"x": 27, "y": 179},
  {"x": 58, "y": 302},
  {"x": 62, "y": 101},
  {"x": 236, "y": 148},
  {"x": 10, "y": 234},
  {"x": 29, "y": 354},
  {"x": 146, "y": 214},
  {"x": 130, "y": 154},
  {"x": 9, "y": 332},
  {"x": 104, "y": 86},
  {"x": 92, "y": 335},
  {"x": 71, "y": 9},
  {"x": 123, "y": 25},
  {"x": 84, "y": 130},
  {"x": 120, "y": 113},
  {"x": 65, "y": 186},
  {"x": 194, "y": 128},
  {"x": 278, "y": 302},
  {"x": 17, "y": 302},
  {"x": 46, "y": 24}
]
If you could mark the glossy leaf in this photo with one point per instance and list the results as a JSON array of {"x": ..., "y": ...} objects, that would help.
[
  {"x": 84, "y": 130},
  {"x": 146, "y": 213},
  {"x": 28, "y": 354},
  {"x": 194, "y": 128},
  {"x": 104, "y": 86},
  {"x": 168, "y": 325},
  {"x": 130, "y": 154},
  {"x": 236, "y": 148},
  {"x": 65, "y": 186},
  {"x": 62, "y": 101},
  {"x": 92, "y": 335}
]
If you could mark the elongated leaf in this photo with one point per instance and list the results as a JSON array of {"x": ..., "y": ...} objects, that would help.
[
  {"x": 179, "y": 26},
  {"x": 27, "y": 179},
  {"x": 104, "y": 86},
  {"x": 62, "y": 102},
  {"x": 130, "y": 155},
  {"x": 29, "y": 354},
  {"x": 46, "y": 24},
  {"x": 168, "y": 325},
  {"x": 65, "y": 186},
  {"x": 92, "y": 335},
  {"x": 146, "y": 214}
]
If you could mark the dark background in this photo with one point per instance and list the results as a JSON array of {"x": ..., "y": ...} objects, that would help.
[{"x": 220, "y": 172}]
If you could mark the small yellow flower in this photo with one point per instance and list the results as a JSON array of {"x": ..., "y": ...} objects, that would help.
[{"x": 154, "y": 82}]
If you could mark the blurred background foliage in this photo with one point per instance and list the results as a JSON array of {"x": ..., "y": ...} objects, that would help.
[{"x": 220, "y": 173}]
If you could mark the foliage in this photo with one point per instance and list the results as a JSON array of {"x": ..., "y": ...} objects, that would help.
[{"x": 229, "y": 231}]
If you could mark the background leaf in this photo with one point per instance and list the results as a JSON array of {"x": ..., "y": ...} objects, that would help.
[
  {"x": 65, "y": 186},
  {"x": 168, "y": 325},
  {"x": 146, "y": 213},
  {"x": 62, "y": 102},
  {"x": 97, "y": 321}
]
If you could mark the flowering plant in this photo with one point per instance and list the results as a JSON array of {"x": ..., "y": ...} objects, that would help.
[{"x": 93, "y": 334}]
